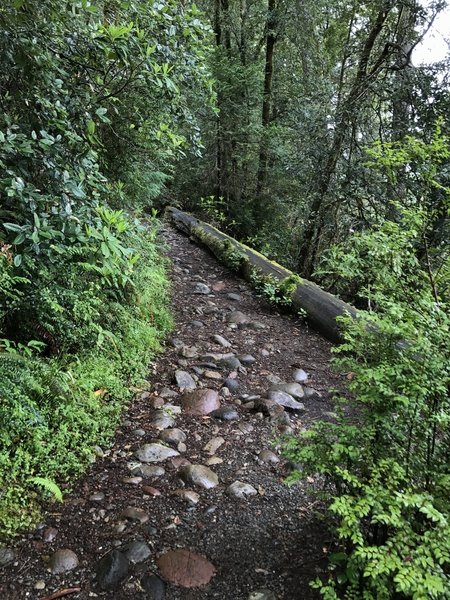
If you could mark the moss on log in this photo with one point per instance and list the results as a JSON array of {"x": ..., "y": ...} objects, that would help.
[{"x": 321, "y": 308}]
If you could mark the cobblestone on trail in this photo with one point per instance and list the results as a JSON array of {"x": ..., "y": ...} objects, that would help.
[{"x": 189, "y": 501}]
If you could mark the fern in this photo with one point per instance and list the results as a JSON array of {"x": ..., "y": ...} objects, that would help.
[{"x": 49, "y": 486}]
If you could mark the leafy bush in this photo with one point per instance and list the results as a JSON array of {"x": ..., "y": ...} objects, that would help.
[{"x": 386, "y": 459}]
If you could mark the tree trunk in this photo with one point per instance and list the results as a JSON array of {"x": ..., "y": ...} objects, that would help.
[
  {"x": 271, "y": 39},
  {"x": 321, "y": 308}
]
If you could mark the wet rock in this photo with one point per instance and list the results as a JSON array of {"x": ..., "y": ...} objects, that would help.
[
  {"x": 7, "y": 556},
  {"x": 293, "y": 389},
  {"x": 241, "y": 490},
  {"x": 300, "y": 376},
  {"x": 154, "y": 453},
  {"x": 199, "y": 476},
  {"x": 201, "y": 402},
  {"x": 234, "y": 297},
  {"x": 189, "y": 496},
  {"x": 184, "y": 380},
  {"x": 201, "y": 288},
  {"x": 62, "y": 561},
  {"x": 221, "y": 341},
  {"x": 231, "y": 384},
  {"x": 225, "y": 413},
  {"x": 246, "y": 359},
  {"x": 213, "y": 445},
  {"x": 268, "y": 456},
  {"x": 237, "y": 317},
  {"x": 135, "y": 514},
  {"x": 154, "y": 587},
  {"x": 286, "y": 400},
  {"x": 136, "y": 552},
  {"x": 111, "y": 570},
  {"x": 172, "y": 436}
]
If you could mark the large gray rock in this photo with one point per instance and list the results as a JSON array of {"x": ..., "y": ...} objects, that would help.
[
  {"x": 137, "y": 552},
  {"x": 154, "y": 453},
  {"x": 199, "y": 476},
  {"x": 6, "y": 556},
  {"x": 286, "y": 400},
  {"x": 184, "y": 380},
  {"x": 293, "y": 389},
  {"x": 172, "y": 436},
  {"x": 241, "y": 490},
  {"x": 62, "y": 561},
  {"x": 221, "y": 341},
  {"x": 201, "y": 288},
  {"x": 225, "y": 413},
  {"x": 300, "y": 376},
  {"x": 111, "y": 570}
]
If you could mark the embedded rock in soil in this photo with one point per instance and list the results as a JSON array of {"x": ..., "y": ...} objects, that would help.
[
  {"x": 48, "y": 536},
  {"x": 135, "y": 514},
  {"x": 230, "y": 362},
  {"x": 155, "y": 588},
  {"x": 241, "y": 490},
  {"x": 286, "y": 400},
  {"x": 185, "y": 568},
  {"x": 311, "y": 393},
  {"x": 154, "y": 453},
  {"x": 266, "y": 407},
  {"x": 201, "y": 402},
  {"x": 268, "y": 456},
  {"x": 237, "y": 317},
  {"x": 184, "y": 380},
  {"x": 234, "y": 297},
  {"x": 225, "y": 413},
  {"x": 246, "y": 359},
  {"x": 111, "y": 570},
  {"x": 189, "y": 352},
  {"x": 62, "y": 561},
  {"x": 201, "y": 288},
  {"x": 136, "y": 552},
  {"x": 190, "y": 496},
  {"x": 213, "y": 445},
  {"x": 97, "y": 497},
  {"x": 231, "y": 384},
  {"x": 300, "y": 376},
  {"x": 262, "y": 595},
  {"x": 172, "y": 436},
  {"x": 162, "y": 420},
  {"x": 6, "y": 556},
  {"x": 168, "y": 393},
  {"x": 293, "y": 389},
  {"x": 221, "y": 341},
  {"x": 150, "y": 471},
  {"x": 151, "y": 491},
  {"x": 199, "y": 475},
  {"x": 212, "y": 375}
]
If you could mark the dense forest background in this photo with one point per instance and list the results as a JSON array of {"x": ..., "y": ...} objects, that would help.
[{"x": 304, "y": 129}]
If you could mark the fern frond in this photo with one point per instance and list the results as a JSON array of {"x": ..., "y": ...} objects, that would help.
[{"x": 49, "y": 486}]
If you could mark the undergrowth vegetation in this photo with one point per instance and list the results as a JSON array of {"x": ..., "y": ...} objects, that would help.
[
  {"x": 95, "y": 100},
  {"x": 385, "y": 461}
]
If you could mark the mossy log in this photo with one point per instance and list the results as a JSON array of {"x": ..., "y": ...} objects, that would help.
[{"x": 321, "y": 308}]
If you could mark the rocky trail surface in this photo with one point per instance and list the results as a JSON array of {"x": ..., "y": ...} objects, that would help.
[{"x": 189, "y": 501}]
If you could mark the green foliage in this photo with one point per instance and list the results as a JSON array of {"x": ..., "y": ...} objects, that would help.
[{"x": 386, "y": 459}]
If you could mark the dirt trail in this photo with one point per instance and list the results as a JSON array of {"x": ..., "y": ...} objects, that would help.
[{"x": 267, "y": 542}]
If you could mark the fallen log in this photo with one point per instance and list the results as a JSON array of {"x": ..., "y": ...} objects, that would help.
[{"x": 321, "y": 308}]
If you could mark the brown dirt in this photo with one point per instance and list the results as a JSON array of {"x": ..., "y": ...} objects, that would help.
[{"x": 273, "y": 540}]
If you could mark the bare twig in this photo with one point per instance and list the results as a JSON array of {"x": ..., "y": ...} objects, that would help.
[{"x": 61, "y": 593}]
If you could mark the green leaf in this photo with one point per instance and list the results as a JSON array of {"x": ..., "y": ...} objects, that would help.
[{"x": 17, "y": 260}]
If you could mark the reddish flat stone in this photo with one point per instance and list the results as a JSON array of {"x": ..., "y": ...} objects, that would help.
[
  {"x": 185, "y": 568},
  {"x": 201, "y": 402}
]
